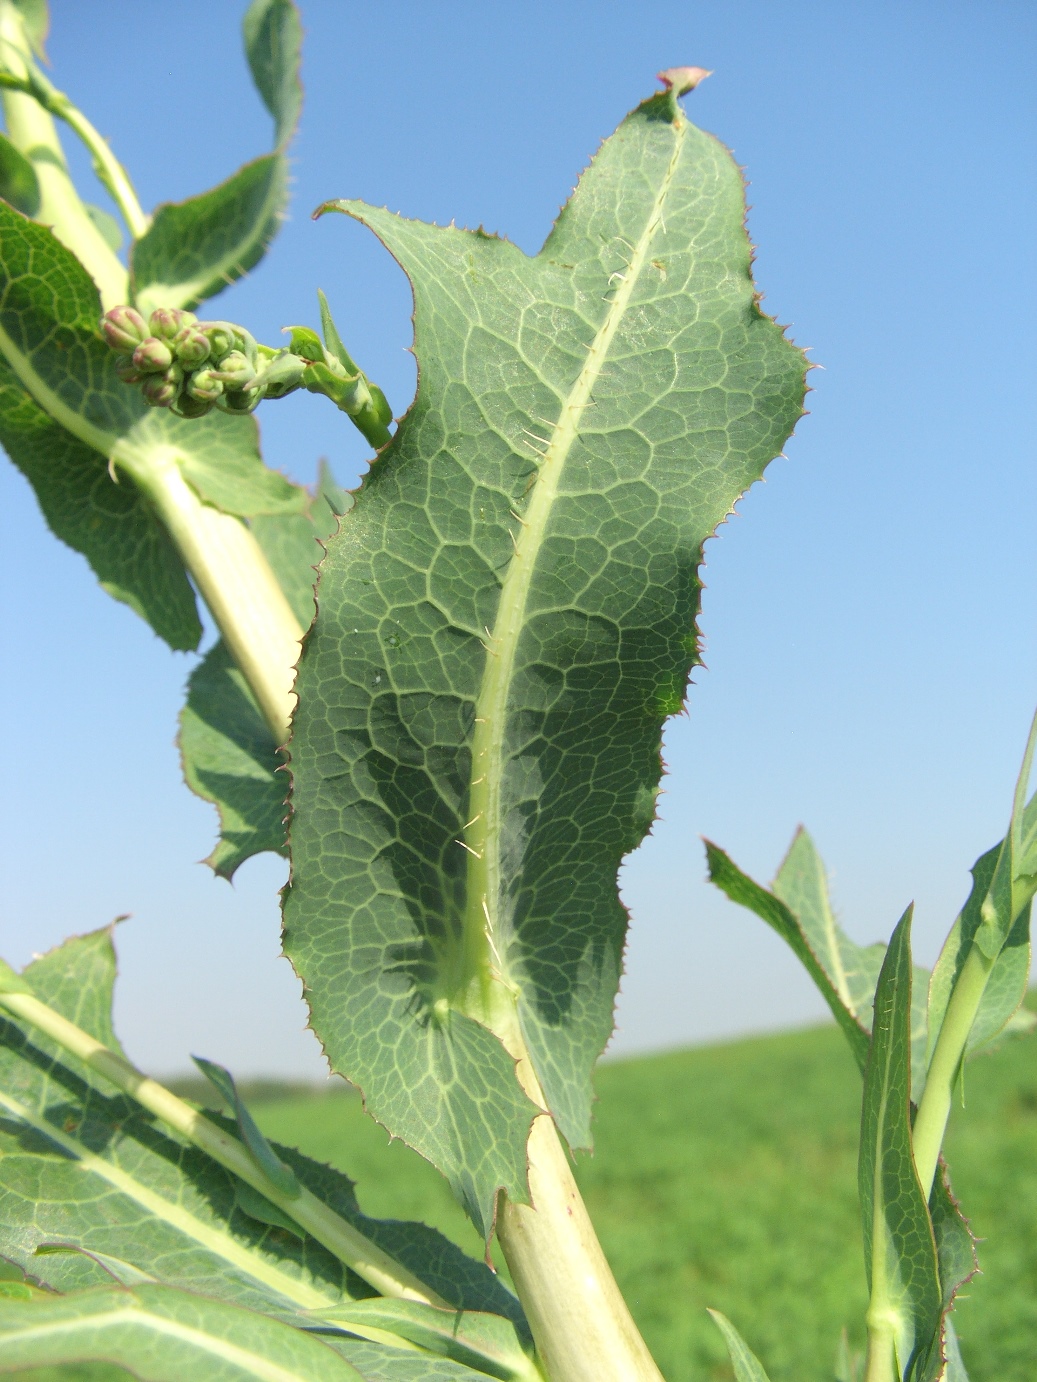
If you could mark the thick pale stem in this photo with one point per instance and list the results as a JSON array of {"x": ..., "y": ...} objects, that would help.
[
  {"x": 881, "y": 1363},
  {"x": 31, "y": 129},
  {"x": 338, "y": 1236},
  {"x": 234, "y": 579},
  {"x": 935, "y": 1106},
  {"x": 583, "y": 1329}
]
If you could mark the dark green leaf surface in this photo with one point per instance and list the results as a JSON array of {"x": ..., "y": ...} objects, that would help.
[
  {"x": 163, "y": 1335},
  {"x": 19, "y": 184},
  {"x": 506, "y": 620},
  {"x": 899, "y": 1248},
  {"x": 65, "y": 415},
  {"x": 747, "y": 1366},
  {"x": 82, "y": 1167},
  {"x": 956, "y": 1255},
  {"x": 195, "y": 248},
  {"x": 228, "y": 753}
]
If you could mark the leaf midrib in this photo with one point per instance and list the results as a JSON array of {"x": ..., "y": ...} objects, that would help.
[
  {"x": 51, "y": 402},
  {"x": 135, "y": 1317},
  {"x": 484, "y": 978},
  {"x": 221, "y": 1245}
]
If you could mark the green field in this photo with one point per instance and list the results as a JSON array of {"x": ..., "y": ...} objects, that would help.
[{"x": 726, "y": 1176}]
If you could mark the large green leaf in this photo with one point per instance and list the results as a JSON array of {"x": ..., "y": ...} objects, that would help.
[
  {"x": 82, "y": 1167},
  {"x": 899, "y": 1247},
  {"x": 228, "y": 752},
  {"x": 66, "y": 420},
  {"x": 799, "y": 908},
  {"x": 163, "y": 1335},
  {"x": 195, "y": 248},
  {"x": 956, "y": 1255},
  {"x": 506, "y": 618}
]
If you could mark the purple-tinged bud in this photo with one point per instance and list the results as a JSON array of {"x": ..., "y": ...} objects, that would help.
[
  {"x": 159, "y": 391},
  {"x": 152, "y": 356},
  {"x": 235, "y": 370},
  {"x": 123, "y": 329},
  {"x": 191, "y": 346},
  {"x": 204, "y": 386},
  {"x": 167, "y": 321},
  {"x": 128, "y": 371}
]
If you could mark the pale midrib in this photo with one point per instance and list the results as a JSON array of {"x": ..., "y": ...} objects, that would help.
[
  {"x": 51, "y": 403},
  {"x": 842, "y": 983},
  {"x": 483, "y": 961},
  {"x": 219, "y": 1244},
  {"x": 143, "y": 1320}
]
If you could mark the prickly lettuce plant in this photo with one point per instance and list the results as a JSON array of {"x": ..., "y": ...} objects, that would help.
[{"x": 472, "y": 724}]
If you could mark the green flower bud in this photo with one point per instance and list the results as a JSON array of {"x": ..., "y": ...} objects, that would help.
[
  {"x": 205, "y": 386},
  {"x": 222, "y": 339},
  {"x": 235, "y": 370},
  {"x": 283, "y": 374},
  {"x": 238, "y": 401},
  {"x": 189, "y": 407},
  {"x": 167, "y": 321},
  {"x": 191, "y": 346},
  {"x": 123, "y": 329},
  {"x": 128, "y": 371},
  {"x": 159, "y": 391},
  {"x": 152, "y": 356}
]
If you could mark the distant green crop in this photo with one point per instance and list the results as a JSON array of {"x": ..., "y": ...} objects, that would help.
[{"x": 473, "y": 726}]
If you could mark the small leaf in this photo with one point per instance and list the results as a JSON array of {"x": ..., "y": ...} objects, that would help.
[
  {"x": 36, "y": 17},
  {"x": 19, "y": 184},
  {"x": 747, "y": 1366},
  {"x": 258, "y": 1207},
  {"x": 163, "y": 1335},
  {"x": 125, "y": 1273},
  {"x": 333, "y": 340},
  {"x": 899, "y": 1246},
  {"x": 273, "y": 42},
  {"x": 195, "y": 248},
  {"x": 280, "y": 1176},
  {"x": 846, "y": 1361},
  {"x": 306, "y": 342},
  {"x": 228, "y": 752},
  {"x": 486, "y": 1343}
]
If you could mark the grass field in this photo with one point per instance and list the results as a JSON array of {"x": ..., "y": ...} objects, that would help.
[{"x": 726, "y": 1176}]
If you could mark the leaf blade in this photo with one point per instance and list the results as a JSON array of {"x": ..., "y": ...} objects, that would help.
[
  {"x": 747, "y": 1366},
  {"x": 416, "y": 598}
]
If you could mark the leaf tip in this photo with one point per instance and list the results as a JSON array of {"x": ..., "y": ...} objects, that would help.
[{"x": 681, "y": 80}]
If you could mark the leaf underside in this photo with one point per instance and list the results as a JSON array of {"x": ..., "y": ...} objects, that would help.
[
  {"x": 84, "y": 1167},
  {"x": 522, "y": 557}
]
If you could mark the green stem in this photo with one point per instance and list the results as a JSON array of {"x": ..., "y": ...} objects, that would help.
[
  {"x": 234, "y": 579},
  {"x": 335, "y": 1233},
  {"x": 935, "y": 1106},
  {"x": 31, "y": 129},
  {"x": 881, "y": 1362}
]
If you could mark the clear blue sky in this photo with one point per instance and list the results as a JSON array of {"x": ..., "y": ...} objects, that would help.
[{"x": 868, "y": 621}]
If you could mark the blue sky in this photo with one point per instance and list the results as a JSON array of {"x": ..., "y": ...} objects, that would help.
[{"x": 869, "y": 639}]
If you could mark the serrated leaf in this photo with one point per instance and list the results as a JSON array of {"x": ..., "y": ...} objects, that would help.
[
  {"x": 506, "y": 619},
  {"x": 194, "y": 249},
  {"x": 747, "y": 1366},
  {"x": 799, "y": 908},
  {"x": 19, "y": 184},
  {"x": 164, "y": 1335},
  {"x": 91, "y": 1170},
  {"x": 792, "y": 928},
  {"x": 228, "y": 752},
  {"x": 486, "y": 1343},
  {"x": 65, "y": 417},
  {"x": 899, "y": 1248},
  {"x": 956, "y": 1255}
]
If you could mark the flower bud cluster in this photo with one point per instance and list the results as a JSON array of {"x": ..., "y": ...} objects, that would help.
[{"x": 182, "y": 363}]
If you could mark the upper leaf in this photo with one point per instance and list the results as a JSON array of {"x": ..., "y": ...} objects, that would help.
[
  {"x": 195, "y": 248},
  {"x": 747, "y": 1366},
  {"x": 506, "y": 618},
  {"x": 899, "y": 1246}
]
